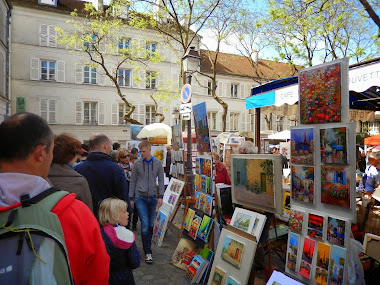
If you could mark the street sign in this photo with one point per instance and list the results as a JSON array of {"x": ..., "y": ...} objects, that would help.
[
  {"x": 186, "y": 116},
  {"x": 186, "y": 93},
  {"x": 185, "y": 108}
]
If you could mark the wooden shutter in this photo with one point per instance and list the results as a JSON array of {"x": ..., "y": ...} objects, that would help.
[
  {"x": 241, "y": 88},
  {"x": 34, "y": 69},
  {"x": 52, "y": 36},
  {"x": 243, "y": 121},
  {"x": 219, "y": 89},
  {"x": 228, "y": 90},
  {"x": 78, "y": 113},
  {"x": 101, "y": 78},
  {"x": 44, "y": 109},
  {"x": 135, "y": 114},
  {"x": 60, "y": 71},
  {"x": 52, "y": 111},
  {"x": 142, "y": 77},
  {"x": 43, "y": 35},
  {"x": 79, "y": 73},
  {"x": 114, "y": 114},
  {"x": 142, "y": 114},
  {"x": 101, "y": 113}
]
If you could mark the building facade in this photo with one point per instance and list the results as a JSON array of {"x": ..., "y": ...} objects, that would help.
[{"x": 4, "y": 58}]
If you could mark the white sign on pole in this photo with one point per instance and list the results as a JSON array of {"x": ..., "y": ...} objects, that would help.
[
  {"x": 185, "y": 108},
  {"x": 185, "y": 116}
]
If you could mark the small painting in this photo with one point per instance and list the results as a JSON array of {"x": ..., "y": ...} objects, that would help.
[
  {"x": 336, "y": 231},
  {"x": 184, "y": 253},
  {"x": 296, "y": 221},
  {"x": 201, "y": 128},
  {"x": 135, "y": 129},
  {"x": 323, "y": 259},
  {"x": 335, "y": 182},
  {"x": 320, "y": 94},
  {"x": 243, "y": 219},
  {"x": 232, "y": 251},
  {"x": 208, "y": 205},
  {"x": 315, "y": 226},
  {"x": 286, "y": 203},
  {"x": 232, "y": 281},
  {"x": 307, "y": 257},
  {"x": 218, "y": 277},
  {"x": 303, "y": 183},
  {"x": 177, "y": 140},
  {"x": 338, "y": 258},
  {"x": 197, "y": 182},
  {"x": 158, "y": 140},
  {"x": 205, "y": 228},
  {"x": 197, "y": 264},
  {"x": 188, "y": 219},
  {"x": 334, "y": 145},
  {"x": 159, "y": 152},
  {"x": 159, "y": 227},
  {"x": 132, "y": 144},
  {"x": 292, "y": 252},
  {"x": 205, "y": 166},
  {"x": 321, "y": 276},
  {"x": 207, "y": 254},
  {"x": 195, "y": 226},
  {"x": 302, "y": 146}
]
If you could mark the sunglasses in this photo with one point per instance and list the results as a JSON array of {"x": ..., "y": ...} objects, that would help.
[{"x": 124, "y": 156}]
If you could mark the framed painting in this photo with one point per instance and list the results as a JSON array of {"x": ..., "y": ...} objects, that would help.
[
  {"x": 254, "y": 183},
  {"x": 135, "y": 129},
  {"x": 315, "y": 226},
  {"x": 173, "y": 191},
  {"x": 292, "y": 251},
  {"x": 338, "y": 259},
  {"x": 323, "y": 260},
  {"x": 232, "y": 251},
  {"x": 334, "y": 145},
  {"x": 302, "y": 181},
  {"x": 177, "y": 140},
  {"x": 335, "y": 181},
  {"x": 336, "y": 231},
  {"x": 307, "y": 257},
  {"x": 218, "y": 277},
  {"x": 243, "y": 219},
  {"x": 201, "y": 128},
  {"x": 159, "y": 152},
  {"x": 302, "y": 145}
]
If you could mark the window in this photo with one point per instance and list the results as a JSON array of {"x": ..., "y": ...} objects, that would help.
[
  {"x": 124, "y": 45},
  {"x": 280, "y": 124},
  {"x": 150, "y": 48},
  {"x": 209, "y": 89},
  {"x": 123, "y": 109},
  {"x": 124, "y": 77},
  {"x": 89, "y": 42},
  {"x": 373, "y": 128},
  {"x": 151, "y": 80},
  {"x": 211, "y": 117},
  {"x": 234, "y": 121},
  {"x": 90, "y": 113},
  {"x": 234, "y": 90},
  {"x": 89, "y": 75},
  {"x": 150, "y": 115},
  {"x": 47, "y": 70}
]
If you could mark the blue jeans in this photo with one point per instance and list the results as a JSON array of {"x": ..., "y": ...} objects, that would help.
[{"x": 146, "y": 208}]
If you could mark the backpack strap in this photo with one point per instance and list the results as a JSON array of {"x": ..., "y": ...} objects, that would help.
[{"x": 26, "y": 201}]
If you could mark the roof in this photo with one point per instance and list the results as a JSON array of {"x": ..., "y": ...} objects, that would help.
[
  {"x": 239, "y": 65},
  {"x": 63, "y": 5}
]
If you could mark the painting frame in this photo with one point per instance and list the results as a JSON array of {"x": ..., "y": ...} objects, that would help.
[{"x": 238, "y": 222}]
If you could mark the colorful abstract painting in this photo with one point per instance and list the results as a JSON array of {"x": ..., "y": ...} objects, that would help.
[
  {"x": 302, "y": 146},
  {"x": 315, "y": 226},
  {"x": 320, "y": 94},
  {"x": 254, "y": 181},
  {"x": 292, "y": 251},
  {"x": 177, "y": 140},
  {"x": 232, "y": 251},
  {"x": 201, "y": 128},
  {"x": 335, "y": 181},
  {"x": 334, "y": 145},
  {"x": 189, "y": 218},
  {"x": 302, "y": 178},
  {"x": 336, "y": 231},
  {"x": 323, "y": 259},
  {"x": 205, "y": 228},
  {"x": 135, "y": 129},
  {"x": 338, "y": 258},
  {"x": 296, "y": 221},
  {"x": 307, "y": 257}
]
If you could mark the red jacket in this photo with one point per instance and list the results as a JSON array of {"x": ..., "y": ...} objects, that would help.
[
  {"x": 221, "y": 174},
  {"x": 89, "y": 261}
]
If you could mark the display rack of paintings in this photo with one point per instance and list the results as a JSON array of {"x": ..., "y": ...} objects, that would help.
[
  {"x": 302, "y": 145},
  {"x": 201, "y": 128},
  {"x": 302, "y": 178},
  {"x": 198, "y": 225},
  {"x": 177, "y": 166}
]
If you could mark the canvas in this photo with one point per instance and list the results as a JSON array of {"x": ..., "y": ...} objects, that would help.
[
  {"x": 335, "y": 181},
  {"x": 258, "y": 226},
  {"x": 203, "y": 183},
  {"x": 315, "y": 226},
  {"x": 231, "y": 281},
  {"x": 296, "y": 221},
  {"x": 208, "y": 205},
  {"x": 189, "y": 218},
  {"x": 292, "y": 252},
  {"x": 205, "y": 166},
  {"x": 336, "y": 231},
  {"x": 285, "y": 149},
  {"x": 232, "y": 251},
  {"x": 197, "y": 182},
  {"x": 159, "y": 227},
  {"x": 177, "y": 141},
  {"x": 334, "y": 145},
  {"x": 159, "y": 152},
  {"x": 184, "y": 253},
  {"x": 205, "y": 228},
  {"x": 202, "y": 202},
  {"x": 302, "y": 178},
  {"x": 219, "y": 277},
  {"x": 201, "y": 128},
  {"x": 320, "y": 94},
  {"x": 195, "y": 226},
  {"x": 286, "y": 204},
  {"x": 243, "y": 219},
  {"x": 135, "y": 129},
  {"x": 158, "y": 140},
  {"x": 337, "y": 262},
  {"x": 323, "y": 259},
  {"x": 207, "y": 254},
  {"x": 131, "y": 144},
  {"x": 302, "y": 146},
  {"x": 307, "y": 257},
  {"x": 173, "y": 191}
]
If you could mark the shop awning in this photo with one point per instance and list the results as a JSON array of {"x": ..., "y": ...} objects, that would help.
[{"x": 374, "y": 140}]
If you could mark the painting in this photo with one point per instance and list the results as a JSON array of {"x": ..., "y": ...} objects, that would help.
[
  {"x": 315, "y": 226},
  {"x": 292, "y": 251},
  {"x": 296, "y": 221},
  {"x": 227, "y": 151},
  {"x": 208, "y": 205},
  {"x": 197, "y": 182},
  {"x": 336, "y": 231},
  {"x": 243, "y": 219},
  {"x": 195, "y": 226},
  {"x": 205, "y": 166},
  {"x": 132, "y": 144},
  {"x": 320, "y": 94},
  {"x": 173, "y": 191},
  {"x": 337, "y": 261},
  {"x": 135, "y": 129},
  {"x": 205, "y": 228},
  {"x": 201, "y": 128},
  {"x": 177, "y": 140},
  {"x": 307, "y": 257},
  {"x": 258, "y": 226},
  {"x": 334, "y": 145},
  {"x": 286, "y": 204},
  {"x": 158, "y": 140},
  {"x": 189, "y": 218},
  {"x": 231, "y": 281},
  {"x": 302, "y": 178},
  {"x": 195, "y": 269},
  {"x": 207, "y": 254},
  {"x": 218, "y": 277},
  {"x": 184, "y": 253},
  {"x": 159, "y": 227},
  {"x": 285, "y": 149},
  {"x": 159, "y": 152},
  {"x": 335, "y": 181},
  {"x": 302, "y": 146},
  {"x": 232, "y": 251},
  {"x": 253, "y": 181},
  {"x": 323, "y": 259}
]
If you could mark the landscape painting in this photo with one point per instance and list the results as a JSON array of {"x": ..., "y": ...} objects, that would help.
[
  {"x": 307, "y": 257},
  {"x": 335, "y": 182},
  {"x": 320, "y": 94},
  {"x": 323, "y": 259},
  {"x": 296, "y": 221},
  {"x": 315, "y": 226},
  {"x": 336, "y": 231},
  {"x": 253, "y": 180},
  {"x": 201, "y": 128},
  {"x": 338, "y": 258},
  {"x": 135, "y": 129},
  {"x": 292, "y": 251},
  {"x": 334, "y": 145},
  {"x": 232, "y": 251},
  {"x": 243, "y": 219},
  {"x": 302, "y": 178},
  {"x": 302, "y": 146}
]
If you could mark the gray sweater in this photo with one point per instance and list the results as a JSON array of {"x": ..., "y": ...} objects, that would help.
[{"x": 143, "y": 178}]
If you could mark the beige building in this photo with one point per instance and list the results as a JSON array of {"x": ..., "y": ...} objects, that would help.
[{"x": 4, "y": 58}]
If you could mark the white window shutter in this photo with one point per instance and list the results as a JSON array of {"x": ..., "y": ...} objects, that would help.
[
  {"x": 52, "y": 111},
  {"x": 142, "y": 77},
  {"x": 241, "y": 89},
  {"x": 79, "y": 73},
  {"x": 78, "y": 113},
  {"x": 142, "y": 114},
  {"x": 205, "y": 87},
  {"x": 243, "y": 122},
  {"x": 60, "y": 71},
  {"x": 228, "y": 90},
  {"x": 228, "y": 122},
  {"x": 135, "y": 114},
  {"x": 101, "y": 78},
  {"x": 194, "y": 86},
  {"x": 249, "y": 122},
  {"x": 219, "y": 89},
  {"x": 52, "y": 36},
  {"x": 43, "y": 35},
  {"x": 114, "y": 114},
  {"x": 135, "y": 73},
  {"x": 44, "y": 109},
  {"x": 34, "y": 69},
  {"x": 101, "y": 113}
]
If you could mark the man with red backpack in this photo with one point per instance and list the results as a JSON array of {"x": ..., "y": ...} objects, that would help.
[{"x": 65, "y": 232}]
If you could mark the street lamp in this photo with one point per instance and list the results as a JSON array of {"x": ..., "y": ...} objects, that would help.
[
  {"x": 190, "y": 63},
  {"x": 175, "y": 115}
]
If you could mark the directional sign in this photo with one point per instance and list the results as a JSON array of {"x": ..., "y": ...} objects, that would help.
[
  {"x": 185, "y": 108},
  {"x": 185, "y": 117},
  {"x": 186, "y": 93}
]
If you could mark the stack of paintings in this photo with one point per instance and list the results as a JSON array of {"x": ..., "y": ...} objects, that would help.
[
  {"x": 184, "y": 253},
  {"x": 248, "y": 221},
  {"x": 160, "y": 225},
  {"x": 195, "y": 270}
]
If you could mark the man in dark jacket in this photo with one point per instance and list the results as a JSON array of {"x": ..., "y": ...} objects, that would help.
[{"x": 105, "y": 178}]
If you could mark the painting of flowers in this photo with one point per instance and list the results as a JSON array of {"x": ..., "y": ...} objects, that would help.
[
  {"x": 320, "y": 94},
  {"x": 296, "y": 221},
  {"x": 302, "y": 178},
  {"x": 338, "y": 258},
  {"x": 293, "y": 245},
  {"x": 335, "y": 183},
  {"x": 334, "y": 145},
  {"x": 302, "y": 146}
]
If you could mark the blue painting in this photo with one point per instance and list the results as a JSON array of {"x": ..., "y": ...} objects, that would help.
[
  {"x": 338, "y": 258},
  {"x": 302, "y": 147},
  {"x": 201, "y": 128},
  {"x": 135, "y": 129}
]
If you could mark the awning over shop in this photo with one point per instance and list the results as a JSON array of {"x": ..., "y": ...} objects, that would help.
[{"x": 374, "y": 140}]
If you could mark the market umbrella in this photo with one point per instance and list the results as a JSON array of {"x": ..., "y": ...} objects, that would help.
[
  {"x": 155, "y": 130},
  {"x": 284, "y": 135},
  {"x": 224, "y": 137}
]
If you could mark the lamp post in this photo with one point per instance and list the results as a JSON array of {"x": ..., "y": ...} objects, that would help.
[
  {"x": 190, "y": 63},
  {"x": 175, "y": 115}
]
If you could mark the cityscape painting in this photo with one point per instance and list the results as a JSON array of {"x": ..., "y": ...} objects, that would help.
[
  {"x": 334, "y": 145},
  {"x": 302, "y": 146},
  {"x": 201, "y": 128}
]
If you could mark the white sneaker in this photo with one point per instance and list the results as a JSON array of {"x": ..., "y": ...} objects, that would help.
[{"x": 149, "y": 258}]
